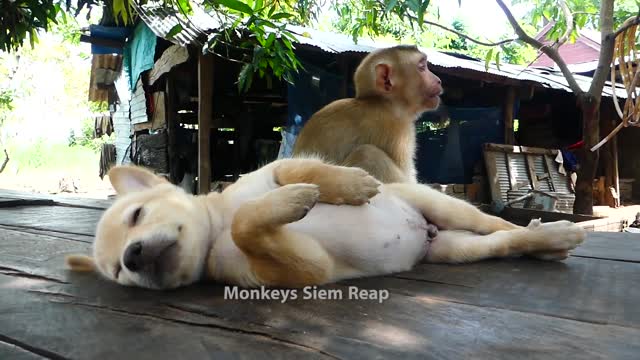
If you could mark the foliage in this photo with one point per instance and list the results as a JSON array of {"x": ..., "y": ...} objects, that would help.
[
  {"x": 586, "y": 14},
  {"x": 22, "y": 19},
  {"x": 86, "y": 138}
]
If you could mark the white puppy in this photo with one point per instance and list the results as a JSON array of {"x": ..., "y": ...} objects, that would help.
[{"x": 297, "y": 222}]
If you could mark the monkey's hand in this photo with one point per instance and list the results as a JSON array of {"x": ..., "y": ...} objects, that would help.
[{"x": 348, "y": 185}]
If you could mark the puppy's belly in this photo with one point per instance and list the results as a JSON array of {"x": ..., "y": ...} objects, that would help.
[{"x": 387, "y": 235}]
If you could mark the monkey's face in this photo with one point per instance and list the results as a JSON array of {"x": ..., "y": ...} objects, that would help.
[{"x": 427, "y": 87}]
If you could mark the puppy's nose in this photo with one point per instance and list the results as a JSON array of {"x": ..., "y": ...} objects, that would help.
[
  {"x": 133, "y": 257},
  {"x": 146, "y": 252}
]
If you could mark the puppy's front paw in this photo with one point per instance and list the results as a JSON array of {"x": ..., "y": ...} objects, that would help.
[
  {"x": 354, "y": 186},
  {"x": 296, "y": 200}
]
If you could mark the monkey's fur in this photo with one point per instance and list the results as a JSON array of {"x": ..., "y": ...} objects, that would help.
[{"x": 375, "y": 130}]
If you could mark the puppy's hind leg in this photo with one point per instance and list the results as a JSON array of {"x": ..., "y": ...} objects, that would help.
[
  {"x": 455, "y": 246},
  {"x": 447, "y": 212},
  {"x": 278, "y": 256}
]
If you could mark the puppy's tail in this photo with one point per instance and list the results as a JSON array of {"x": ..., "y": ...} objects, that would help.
[{"x": 78, "y": 262}]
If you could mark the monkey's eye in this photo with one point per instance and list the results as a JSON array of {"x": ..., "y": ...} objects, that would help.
[
  {"x": 422, "y": 67},
  {"x": 135, "y": 216}
]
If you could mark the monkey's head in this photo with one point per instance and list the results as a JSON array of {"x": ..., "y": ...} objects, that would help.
[{"x": 401, "y": 75}]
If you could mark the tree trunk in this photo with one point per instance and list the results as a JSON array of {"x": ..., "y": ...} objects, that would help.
[{"x": 590, "y": 107}]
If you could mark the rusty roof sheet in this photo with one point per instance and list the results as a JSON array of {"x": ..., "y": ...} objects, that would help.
[
  {"x": 201, "y": 23},
  {"x": 104, "y": 71}
]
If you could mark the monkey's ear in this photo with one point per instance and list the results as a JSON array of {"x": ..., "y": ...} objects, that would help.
[{"x": 383, "y": 78}]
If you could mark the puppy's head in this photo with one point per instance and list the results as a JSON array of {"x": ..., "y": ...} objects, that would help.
[{"x": 154, "y": 235}]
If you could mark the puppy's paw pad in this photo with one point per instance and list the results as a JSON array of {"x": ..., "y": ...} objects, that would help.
[{"x": 551, "y": 256}]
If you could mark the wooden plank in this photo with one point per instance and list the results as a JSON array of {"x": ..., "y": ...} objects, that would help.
[
  {"x": 520, "y": 149},
  {"x": 407, "y": 325},
  {"x": 172, "y": 128},
  {"x": 171, "y": 57},
  {"x": 57, "y": 199},
  {"x": 102, "y": 41},
  {"x": 549, "y": 163},
  {"x": 16, "y": 352},
  {"x": 205, "y": 115},
  {"x": 59, "y": 326},
  {"x": 159, "y": 117},
  {"x": 532, "y": 172},
  {"x": 582, "y": 289},
  {"x": 52, "y": 218},
  {"x": 611, "y": 246},
  {"x": 508, "y": 108}
]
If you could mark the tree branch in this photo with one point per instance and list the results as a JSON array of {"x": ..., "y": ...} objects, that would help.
[
  {"x": 549, "y": 51},
  {"x": 462, "y": 35},
  {"x": 6, "y": 160},
  {"x": 454, "y": 31},
  {"x": 570, "y": 25},
  {"x": 626, "y": 26},
  {"x": 606, "y": 49}
]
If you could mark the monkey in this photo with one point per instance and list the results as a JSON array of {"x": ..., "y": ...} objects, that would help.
[{"x": 375, "y": 130}]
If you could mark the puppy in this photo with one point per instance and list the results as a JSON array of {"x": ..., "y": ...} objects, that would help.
[{"x": 297, "y": 222}]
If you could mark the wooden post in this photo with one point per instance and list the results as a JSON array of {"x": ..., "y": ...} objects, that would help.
[
  {"x": 508, "y": 106},
  {"x": 172, "y": 125},
  {"x": 609, "y": 156},
  {"x": 205, "y": 115}
]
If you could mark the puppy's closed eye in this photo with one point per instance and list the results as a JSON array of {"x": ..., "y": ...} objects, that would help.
[
  {"x": 116, "y": 271},
  {"x": 135, "y": 216}
]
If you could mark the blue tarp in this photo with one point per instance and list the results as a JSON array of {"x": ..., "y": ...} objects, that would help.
[
  {"x": 449, "y": 155},
  {"x": 313, "y": 89},
  {"x": 110, "y": 33},
  {"x": 139, "y": 53}
]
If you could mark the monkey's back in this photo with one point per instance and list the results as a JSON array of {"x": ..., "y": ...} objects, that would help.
[{"x": 336, "y": 129}]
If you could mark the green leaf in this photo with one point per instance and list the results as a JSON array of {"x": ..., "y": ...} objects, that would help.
[
  {"x": 487, "y": 59},
  {"x": 245, "y": 78},
  {"x": 280, "y": 15},
  {"x": 174, "y": 31},
  {"x": 237, "y": 6},
  {"x": 390, "y": 5},
  {"x": 498, "y": 59},
  {"x": 270, "y": 40},
  {"x": 184, "y": 6}
]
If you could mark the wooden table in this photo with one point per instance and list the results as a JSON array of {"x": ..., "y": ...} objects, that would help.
[{"x": 583, "y": 308}]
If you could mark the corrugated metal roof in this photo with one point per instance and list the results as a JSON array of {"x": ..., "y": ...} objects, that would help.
[
  {"x": 104, "y": 71},
  {"x": 161, "y": 20}
]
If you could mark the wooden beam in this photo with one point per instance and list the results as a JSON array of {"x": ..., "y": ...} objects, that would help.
[
  {"x": 519, "y": 149},
  {"x": 102, "y": 42},
  {"x": 508, "y": 106},
  {"x": 532, "y": 171},
  {"x": 172, "y": 127},
  {"x": 205, "y": 115}
]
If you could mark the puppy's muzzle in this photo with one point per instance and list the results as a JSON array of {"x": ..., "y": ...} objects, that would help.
[{"x": 143, "y": 253}]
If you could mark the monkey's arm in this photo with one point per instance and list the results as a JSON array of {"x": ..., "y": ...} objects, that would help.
[{"x": 337, "y": 184}]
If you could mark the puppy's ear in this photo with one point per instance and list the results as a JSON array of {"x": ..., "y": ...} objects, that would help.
[
  {"x": 127, "y": 179},
  {"x": 81, "y": 263}
]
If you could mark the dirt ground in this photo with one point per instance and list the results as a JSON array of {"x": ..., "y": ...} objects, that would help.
[{"x": 70, "y": 183}]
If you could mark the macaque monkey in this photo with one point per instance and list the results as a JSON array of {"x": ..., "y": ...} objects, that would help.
[{"x": 376, "y": 130}]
